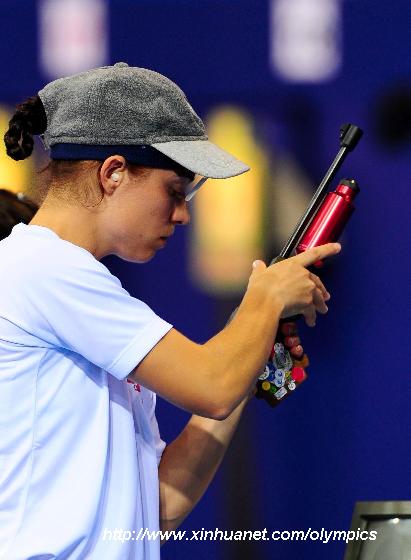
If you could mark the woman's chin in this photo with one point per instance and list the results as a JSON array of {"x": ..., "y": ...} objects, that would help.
[{"x": 140, "y": 257}]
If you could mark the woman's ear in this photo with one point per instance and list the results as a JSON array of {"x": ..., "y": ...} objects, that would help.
[{"x": 111, "y": 173}]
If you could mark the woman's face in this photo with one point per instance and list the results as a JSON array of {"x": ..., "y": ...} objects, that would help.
[{"x": 143, "y": 212}]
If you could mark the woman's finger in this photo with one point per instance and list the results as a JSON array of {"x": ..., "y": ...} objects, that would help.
[
  {"x": 318, "y": 301},
  {"x": 310, "y": 315},
  {"x": 317, "y": 281}
]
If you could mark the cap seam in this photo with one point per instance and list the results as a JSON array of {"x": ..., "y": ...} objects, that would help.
[{"x": 131, "y": 141}]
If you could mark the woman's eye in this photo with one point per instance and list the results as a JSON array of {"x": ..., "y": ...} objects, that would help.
[{"x": 177, "y": 195}]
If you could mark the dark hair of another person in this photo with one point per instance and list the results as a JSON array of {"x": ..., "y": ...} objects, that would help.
[{"x": 13, "y": 210}]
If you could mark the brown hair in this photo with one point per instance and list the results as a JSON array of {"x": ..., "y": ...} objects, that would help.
[{"x": 29, "y": 119}]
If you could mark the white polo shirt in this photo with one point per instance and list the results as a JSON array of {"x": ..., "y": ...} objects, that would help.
[{"x": 79, "y": 446}]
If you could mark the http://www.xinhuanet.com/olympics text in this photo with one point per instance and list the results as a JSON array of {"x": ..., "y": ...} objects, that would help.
[{"x": 321, "y": 535}]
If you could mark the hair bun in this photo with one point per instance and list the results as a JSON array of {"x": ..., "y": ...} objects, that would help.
[{"x": 29, "y": 119}]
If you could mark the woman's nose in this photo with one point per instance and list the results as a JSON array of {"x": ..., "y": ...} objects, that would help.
[{"x": 181, "y": 214}]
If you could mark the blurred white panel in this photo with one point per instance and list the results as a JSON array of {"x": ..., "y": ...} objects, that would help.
[
  {"x": 72, "y": 35},
  {"x": 305, "y": 37}
]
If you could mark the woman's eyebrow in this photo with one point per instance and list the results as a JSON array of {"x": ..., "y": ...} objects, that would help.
[
  {"x": 181, "y": 180},
  {"x": 188, "y": 175}
]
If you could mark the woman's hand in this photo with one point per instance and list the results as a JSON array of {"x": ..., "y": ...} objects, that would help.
[{"x": 290, "y": 285}]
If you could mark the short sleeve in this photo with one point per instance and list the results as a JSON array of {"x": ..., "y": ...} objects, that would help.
[{"x": 77, "y": 304}]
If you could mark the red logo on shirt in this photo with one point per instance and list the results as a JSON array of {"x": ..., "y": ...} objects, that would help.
[{"x": 137, "y": 386}]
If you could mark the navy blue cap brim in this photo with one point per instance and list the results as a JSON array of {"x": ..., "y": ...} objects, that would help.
[{"x": 145, "y": 156}]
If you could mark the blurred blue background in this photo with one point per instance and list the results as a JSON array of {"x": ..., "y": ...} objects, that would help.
[{"x": 344, "y": 435}]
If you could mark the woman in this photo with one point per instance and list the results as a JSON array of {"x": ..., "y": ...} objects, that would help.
[{"x": 82, "y": 456}]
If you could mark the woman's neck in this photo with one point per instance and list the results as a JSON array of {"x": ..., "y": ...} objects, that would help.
[{"x": 75, "y": 224}]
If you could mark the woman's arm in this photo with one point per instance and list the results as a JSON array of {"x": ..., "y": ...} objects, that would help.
[
  {"x": 212, "y": 379},
  {"x": 190, "y": 462}
]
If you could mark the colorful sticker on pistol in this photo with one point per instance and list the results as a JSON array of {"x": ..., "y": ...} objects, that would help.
[
  {"x": 276, "y": 380},
  {"x": 265, "y": 373},
  {"x": 281, "y": 358},
  {"x": 281, "y": 393}
]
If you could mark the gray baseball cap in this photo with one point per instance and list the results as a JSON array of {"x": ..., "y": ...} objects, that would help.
[{"x": 123, "y": 106}]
